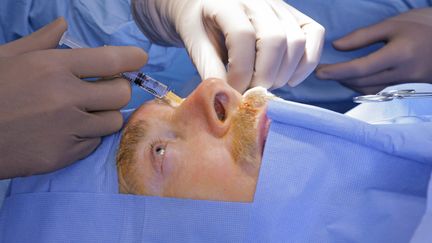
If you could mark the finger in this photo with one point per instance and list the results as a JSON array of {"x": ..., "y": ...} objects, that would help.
[
  {"x": 271, "y": 44},
  {"x": 47, "y": 37},
  {"x": 240, "y": 42},
  {"x": 102, "y": 61},
  {"x": 98, "y": 124},
  {"x": 82, "y": 149},
  {"x": 296, "y": 41},
  {"x": 386, "y": 78},
  {"x": 314, "y": 33},
  {"x": 378, "y": 61},
  {"x": 365, "y": 36},
  {"x": 204, "y": 54},
  {"x": 105, "y": 95}
]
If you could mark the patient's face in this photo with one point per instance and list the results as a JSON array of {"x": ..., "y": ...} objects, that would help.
[{"x": 209, "y": 147}]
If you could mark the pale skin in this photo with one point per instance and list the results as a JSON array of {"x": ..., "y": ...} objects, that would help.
[{"x": 187, "y": 151}]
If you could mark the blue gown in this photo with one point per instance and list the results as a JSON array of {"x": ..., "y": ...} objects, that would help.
[{"x": 325, "y": 177}]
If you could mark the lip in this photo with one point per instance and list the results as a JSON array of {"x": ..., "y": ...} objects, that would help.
[{"x": 262, "y": 128}]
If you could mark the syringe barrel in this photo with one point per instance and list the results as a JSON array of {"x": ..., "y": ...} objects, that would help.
[{"x": 147, "y": 83}]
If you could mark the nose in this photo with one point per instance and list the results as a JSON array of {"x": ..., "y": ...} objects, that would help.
[{"x": 210, "y": 106}]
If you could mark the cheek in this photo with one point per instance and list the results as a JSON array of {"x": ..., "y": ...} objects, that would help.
[
  {"x": 137, "y": 179},
  {"x": 201, "y": 169}
]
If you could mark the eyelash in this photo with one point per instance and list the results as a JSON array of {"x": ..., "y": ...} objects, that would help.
[{"x": 155, "y": 157}]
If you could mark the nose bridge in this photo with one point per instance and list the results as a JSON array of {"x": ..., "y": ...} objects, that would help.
[
  {"x": 201, "y": 98},
  {"x": 193, "y": 107}
]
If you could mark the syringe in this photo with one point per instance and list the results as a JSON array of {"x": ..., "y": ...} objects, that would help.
[{"x": 149, "y": 84}]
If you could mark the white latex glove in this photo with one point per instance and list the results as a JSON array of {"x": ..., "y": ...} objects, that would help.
[
  {"x": 263, "y": 42},
  {"x": 406, "y": 57}
]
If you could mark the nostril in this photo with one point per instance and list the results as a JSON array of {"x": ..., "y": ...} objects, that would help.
[{"x": 219, "y": 101}]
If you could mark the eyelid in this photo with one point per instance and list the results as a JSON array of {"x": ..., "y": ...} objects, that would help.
[{"x": 157, "y": 161}]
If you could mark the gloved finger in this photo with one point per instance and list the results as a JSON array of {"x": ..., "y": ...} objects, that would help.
[
  {"x": 102, "y": 61},
  {"x": 81, "y": 150},
  {"x": 105, "y": 95},
  {"x": 98, "y": 124},
  {"x": 206, "y": 59},
  {"x": 386, "y": 77},
  {"x": 45, "y": 38},
  {"x": 271, "y": 44},
  {"x": 378, "y": 61},
  {"x": 365, "y": 36},
  {"x": 240, "y": 42},
  {"x": 314, "y": 33},
  {"x": 204, "y": 54},
  {"x": 295, "y": 44}
]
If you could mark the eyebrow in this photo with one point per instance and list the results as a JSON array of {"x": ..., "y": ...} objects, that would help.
[{"x": 132, "y": 135}]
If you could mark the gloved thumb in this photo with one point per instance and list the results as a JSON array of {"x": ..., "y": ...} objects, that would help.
[{"x": 45, "y": 38}]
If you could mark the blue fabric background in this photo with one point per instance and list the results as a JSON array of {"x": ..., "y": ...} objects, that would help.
[{"x": 325, "y": 177}]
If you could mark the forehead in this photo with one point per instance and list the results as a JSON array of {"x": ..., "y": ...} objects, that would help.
[
  {"x": 155, "y": 117},
  {"x": 154, "y": 109}
]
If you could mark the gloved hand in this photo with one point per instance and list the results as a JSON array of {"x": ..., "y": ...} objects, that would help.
[
  {"x": 49, "y": 117},
  {"x": 263, "y": 42},
  {"x": 406, "y": 57}
]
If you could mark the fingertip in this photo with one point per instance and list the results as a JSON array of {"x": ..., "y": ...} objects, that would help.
[
  {"x": 128, "y": 93},
  {"x": 321, "y": 66},
  {"x": 238, "y": 85},
  {"x": 280, "y": 84},
  {"x": 239, "y": 78},
  {"x": 353, "y": 40},
  {"x": 61, "y": 23},
  {"x": 117, "y": 121},
  {"x": 55, "y": 29},
  {"x": 82, "y": 149},
  {"x": 94, "y": 143},
  {"x": 112, "y": 60},
  {"x": 341, "y": 43},
  {"x": 89, "y": 146},
  {"x": 106, "y": 95},
  {"x": 140, "y": 55},
  {"x": 322, "y": 73},
  {"x": 124, "y": 90},
  {"x": 110, "y": 122},
  {"x": 294, "y": 82},
  {"x": 135, "y": 56}
]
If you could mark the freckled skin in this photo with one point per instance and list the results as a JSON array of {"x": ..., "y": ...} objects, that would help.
[{"x": 206, "y": 154}]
